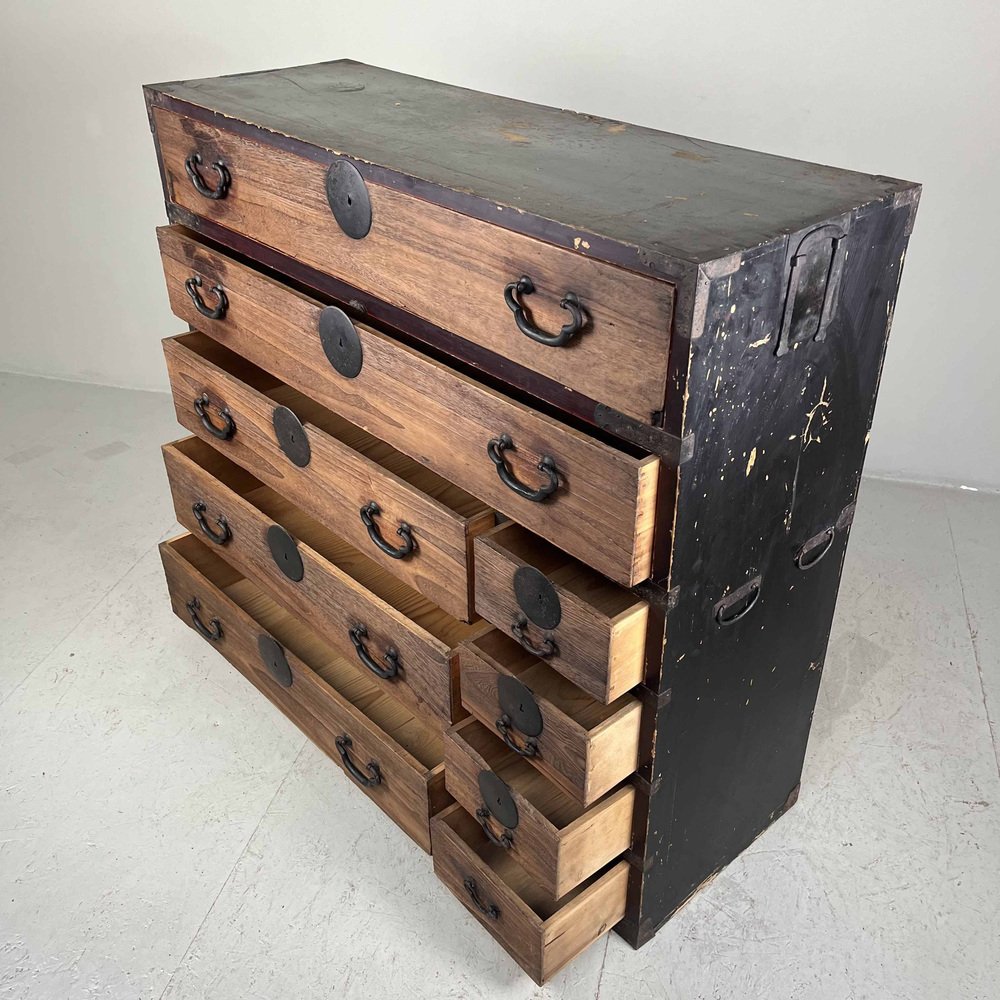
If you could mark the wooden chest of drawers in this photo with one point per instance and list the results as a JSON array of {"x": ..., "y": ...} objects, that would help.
[{"x": 526, "y": 447}]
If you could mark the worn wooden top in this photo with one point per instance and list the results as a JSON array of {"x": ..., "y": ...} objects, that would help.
[{"x": 661, "y": 193}]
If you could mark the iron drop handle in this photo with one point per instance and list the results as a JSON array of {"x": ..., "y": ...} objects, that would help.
[
  {"x": 743, "y": 600},
  {"x": 547, "y": 649},
  {"x": 496, "y": 448},
  {"x": 211, "y": 631},
  {"x": 370, "y": 780},
  {"x": 221, "y": 536},
  {"x": 504, "y": 726},
  {"x": 358, "y": 634},
  {"x": 228, "y": 428},
  {"x": 505, "y": 840},
  {"x": 191, "y": 165},
  {"x": 570, "y": 302},
  {"x": 368, "y": 514},
  {"x": 492, "y": 911},
  {"x": 811, "y": 554},
  {"x": 192, "y": 286}
]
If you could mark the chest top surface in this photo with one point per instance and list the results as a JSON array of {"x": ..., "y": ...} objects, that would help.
[{"x": 662, "y": 193}]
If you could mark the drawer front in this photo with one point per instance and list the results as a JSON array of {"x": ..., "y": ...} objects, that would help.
[
  {"x": 587, "y": 628},
  {"x": 337, "y": 483},
  {"x": 540, "y": 937},
  {"x": 583, "y": 745},
  {"x": 447, "y": 268},
  {"x": 407, "y": 792},
  {"x": 328, "y": 597},
  {"x": 555, "y": 839},
  {"x": 602, "y": 510}
]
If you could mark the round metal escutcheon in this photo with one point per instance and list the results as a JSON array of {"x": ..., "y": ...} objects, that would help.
[
  {"x": 285, "y": 552},
  {"x": 347, "y": 194},
  {"x": 536, "y": 597},
  {"x": 340, "y": 341},
  {"x": 519, "y": 705},
  {"x": 498, "y": 800},
  {"x": 292, "y": 436},
  {"x": 274, "y": 659}
]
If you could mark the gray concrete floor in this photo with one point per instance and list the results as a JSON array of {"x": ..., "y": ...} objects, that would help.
[{"x": 165, "y": 834}]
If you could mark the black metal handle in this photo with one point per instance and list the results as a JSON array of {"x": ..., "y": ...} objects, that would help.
[
  {"x": 358, "y": 634},
  {"x": 228, "y": 428},
  {"x": 213, "y": 630},
  {"x": 496, "y": 448},
  {"x": 368, "y": 514},
  {"x": 504, "y": 727},
  {"x": 570, "y": 302},
  {"x": 492, "y": 911},
  {"x": 192, "y": 285},
  {"x": 810, "y": 555},
  {"x": 505, "y": 840},
  {"x": 547, "y": 649},
  {"x": 751, "y": 593},
  {"x": 191, "y": 165},
  {"x": 370, "y": 780},
  {"x": 221, "y": 536}
]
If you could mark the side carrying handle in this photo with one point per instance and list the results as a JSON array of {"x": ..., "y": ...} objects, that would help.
[
  {"x": 812, "y": 551},
  {"x": 738, "y": 604}
]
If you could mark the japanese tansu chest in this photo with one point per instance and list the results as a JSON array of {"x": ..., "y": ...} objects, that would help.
[{"x": 524, "y": 452}]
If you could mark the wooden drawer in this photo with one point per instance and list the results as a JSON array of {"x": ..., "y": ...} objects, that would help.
[
  {"x": 587, "y": 628},
  {"x": 546, "y": 831},
  {"x": 348, "y": 469},
  {"x": 360, "y": 608},
  {"x": 394, "y": 757},
  {"x": 603, "y": 509},
  {"x": 583, "y": 745},
  {"x": 539, "y": 934},
  {"x": 447, "y": 268}
]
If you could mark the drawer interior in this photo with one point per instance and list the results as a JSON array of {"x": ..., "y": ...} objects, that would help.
[
  {"x": 545, "y": 683},
  {"x": 309, "y": 412},
  {"x": 423, "y": 742},
  {"x": 320, "y": 539}
]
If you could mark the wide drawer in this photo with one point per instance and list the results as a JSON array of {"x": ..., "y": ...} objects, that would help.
[
  {"x": 447, "y": 268},
  {"x": 394, "y": 757},
  {"x": 546, "y": 831},
  {"x": 347, "y": 470},
  {"x": 539, "y": 934},
  {"x": 408, "y": 644},
  {"x": 581, "y": 624},
  {"x": 602, "y": 507},
  {"x": 583, "y": 745}
]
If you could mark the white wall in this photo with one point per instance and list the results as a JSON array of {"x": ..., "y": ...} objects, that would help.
[{"x": 901, "y": 87}]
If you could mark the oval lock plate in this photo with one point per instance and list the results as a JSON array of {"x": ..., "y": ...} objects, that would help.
[
  {"x": 285, "y": 552},
  {"x": 498, "y": 800},
  {"x": 536, "y": 597},
  {"x": 347, "y": 194},
  {"x": 519, "y": 705},
  {"x": 292, "y": 437},
  {"x": 340, "y": 341},
  {"x": 274, "y": 659}
]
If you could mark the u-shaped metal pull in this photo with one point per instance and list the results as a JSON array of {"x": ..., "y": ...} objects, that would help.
[
  {"x": 570, "y": 302},
  {"x": 492, "y": 911},
  {"x": 212, "y": 631},
  {"x": 505, "y": 840},
  {"x": 548, "y": 648},
  {"x": 228, "y": 428},
  {"x": 358, "y": 634},
  {"x": 193, "y": 285},
  {"x": 369, "y": 780},
  {"x": 504, "y": 726},
  {"x": 748, "y": 593},
  {"x": 368, "y": 514},
  {"x": 221, "y": 189},
  {"x": 221, "y": 536},
  {"x": 810, "y": 555},
  {"x": 496, "y": 448}
]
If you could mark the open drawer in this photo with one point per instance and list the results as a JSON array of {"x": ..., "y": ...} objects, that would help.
[
  {"x": 540, "y": 934},
  {"x": 546, "y": 831},
  {"x": 408, "y": 519},
  {"x": 391, "y": 755},
  {"x": 406, "y": 643},
  {"x": 583, "y": 745}
]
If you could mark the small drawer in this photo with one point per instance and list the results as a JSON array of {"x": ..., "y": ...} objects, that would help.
[
  {"x": 539, "y": 934},
  {"x": 546, "y": 831},
  {"x": 583, "y": 745},
  {"x": 393, "y": 756},
  {"x": 407, "y": 644},
  {"x": 581, "y": 624},
  {"x": 589, "y": 498},
  {"x": 456, "y": 272},
  {"x": 408, "y": 519}
]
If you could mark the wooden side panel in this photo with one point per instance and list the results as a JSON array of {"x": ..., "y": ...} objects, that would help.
[
  {"x": 447, "y": 268},
  {"x": 309, "y": 702},
  {"x": 604, "y": 508},
  {"x": 335, "y": 485}
]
